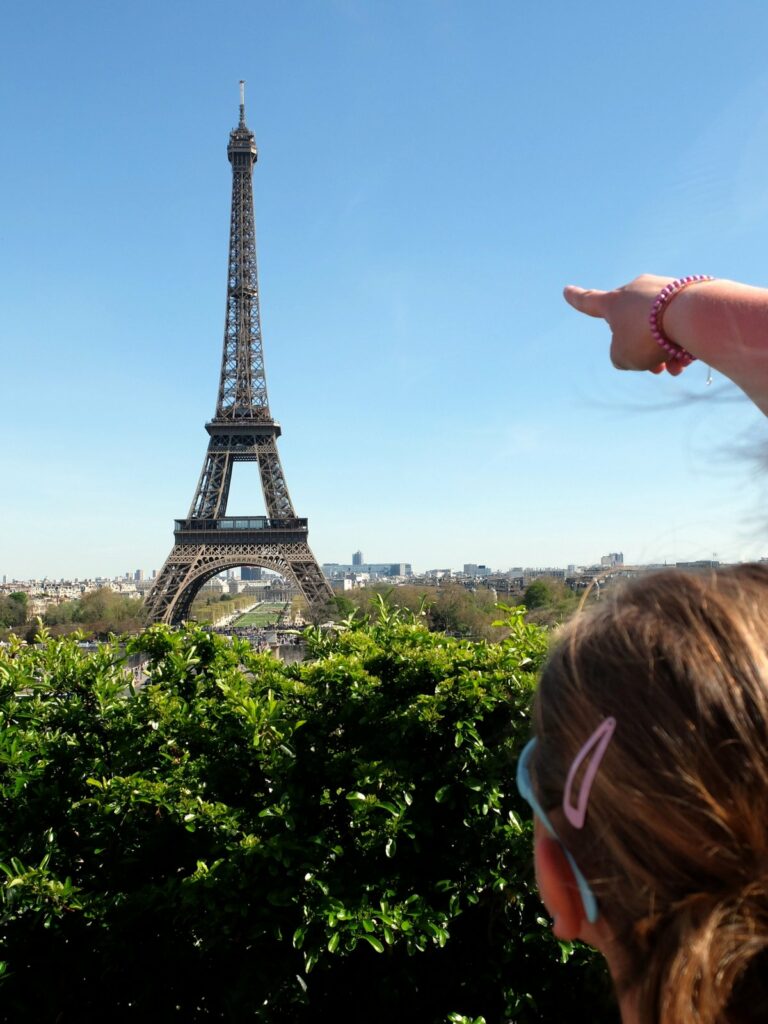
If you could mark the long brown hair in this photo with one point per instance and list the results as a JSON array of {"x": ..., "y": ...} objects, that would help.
[{"x": 675, "y": 844}]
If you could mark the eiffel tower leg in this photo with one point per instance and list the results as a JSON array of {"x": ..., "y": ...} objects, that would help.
[
  {"x": 212, "y": 492},
  {"x": 309, "y": 578},
  {"x": 276, "y": 496},
  {"x": 172, "y": 582}
]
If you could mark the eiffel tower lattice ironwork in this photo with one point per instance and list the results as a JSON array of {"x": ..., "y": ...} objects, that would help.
[{"x": 208, "y": 541}]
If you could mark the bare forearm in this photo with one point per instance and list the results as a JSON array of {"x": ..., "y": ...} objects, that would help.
[{"x": 725, "y": 324}]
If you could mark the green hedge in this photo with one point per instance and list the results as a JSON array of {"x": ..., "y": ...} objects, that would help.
[{"x": 243, "y": 841}]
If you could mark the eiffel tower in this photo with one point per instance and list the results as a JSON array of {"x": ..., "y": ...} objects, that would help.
[{"x": 242, "y": 430}]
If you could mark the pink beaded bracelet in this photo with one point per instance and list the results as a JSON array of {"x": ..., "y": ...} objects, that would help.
[{"x": 668, "y": 292}]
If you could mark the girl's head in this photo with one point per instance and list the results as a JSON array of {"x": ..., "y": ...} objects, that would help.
[{"x": 674, "y": 844}]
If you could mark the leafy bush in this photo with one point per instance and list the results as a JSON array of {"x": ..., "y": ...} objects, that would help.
[
  {"x": 449, "y": 608},
  {"x": 244, "y": 841}
]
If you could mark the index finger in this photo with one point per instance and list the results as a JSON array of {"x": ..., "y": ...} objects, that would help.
[{"x": 586, "y": 300}]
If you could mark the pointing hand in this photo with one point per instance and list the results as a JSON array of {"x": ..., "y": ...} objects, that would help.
[{"x": 626, "y": 311}]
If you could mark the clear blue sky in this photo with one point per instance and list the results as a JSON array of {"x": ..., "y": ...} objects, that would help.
[{"x": 430, "y": 175}]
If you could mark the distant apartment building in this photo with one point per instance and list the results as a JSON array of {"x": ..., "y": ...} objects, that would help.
[
  {"x": 341, "y": 584},
  {"x": 214, "y": 586},
  {"x": 476, "y": 571},
  {"x": 357, "y": 558},
  {"x": 337, "y": 570},
  {"x": 614, "y": 558},
  {"x": 535, "y": 574},
  {"x": 250, "y": 572},
  {"x": 505, "y": 583}
]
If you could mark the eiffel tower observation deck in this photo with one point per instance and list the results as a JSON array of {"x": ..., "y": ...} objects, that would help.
[{"x": 209, "y": 541}]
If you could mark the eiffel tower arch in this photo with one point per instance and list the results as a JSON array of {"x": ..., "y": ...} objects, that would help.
[{"x": 209, "y": 541}]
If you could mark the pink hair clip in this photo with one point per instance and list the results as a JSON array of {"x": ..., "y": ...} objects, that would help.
[{"x": 596, "y": 746}]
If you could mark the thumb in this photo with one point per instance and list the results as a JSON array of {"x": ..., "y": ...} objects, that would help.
[{"x": 586, "y": 300}]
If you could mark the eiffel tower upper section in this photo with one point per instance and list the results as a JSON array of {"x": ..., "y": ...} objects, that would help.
[{"x": 243, "y": 385}]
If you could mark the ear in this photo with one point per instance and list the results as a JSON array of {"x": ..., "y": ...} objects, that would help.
[{"x": 558, "y": 888}]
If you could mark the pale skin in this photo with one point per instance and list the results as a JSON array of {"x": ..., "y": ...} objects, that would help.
[
  {"x": 722, "y": 323},
  {"x": 560, "y": 895}
]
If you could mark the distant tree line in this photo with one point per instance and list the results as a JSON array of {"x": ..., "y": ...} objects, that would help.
[
  {"x": 451, "y": 609},
  {"x": 550, "y": 601},
  {"x": 96, "y": 613},
  {"x": 13, "y": 610},
  {"x": 460, "y": 611},
  {"x": 447, "y": 609}
]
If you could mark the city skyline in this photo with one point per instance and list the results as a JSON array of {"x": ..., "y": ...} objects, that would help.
[
  {"x": 426, "y": 186},
  {"x": 331, "y": 569}
]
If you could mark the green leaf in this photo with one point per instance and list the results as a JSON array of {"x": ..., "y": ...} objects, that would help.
[{"x": 374, "y": 943}]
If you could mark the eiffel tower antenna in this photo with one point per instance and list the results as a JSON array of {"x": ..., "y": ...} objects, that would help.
[{"x": 242, "y": 430}]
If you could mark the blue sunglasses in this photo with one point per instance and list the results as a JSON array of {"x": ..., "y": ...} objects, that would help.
[{"x": 526, "y": 792}]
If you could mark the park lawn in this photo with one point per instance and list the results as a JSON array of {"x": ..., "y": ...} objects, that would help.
[{"x": 264, "y": 615}]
